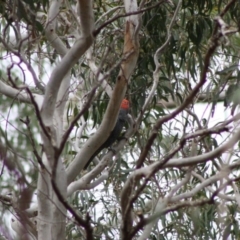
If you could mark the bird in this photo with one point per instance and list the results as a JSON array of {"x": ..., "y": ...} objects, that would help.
[{"x": 116, "y": 132}]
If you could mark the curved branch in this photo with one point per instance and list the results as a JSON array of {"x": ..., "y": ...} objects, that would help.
[
  {"x": 150, "y": 170},
  {"x": 97, "y": 73},
  {"x": 69, "y": 59},
  {"x": 130, "y": 53},
  {"x": 24, "y": 60},
  {"x": 19, "y": 94},
  {"x": 214, "y": 42},
  {"x": 98, "y": 30},
  {"x": 204, "y": 157},
  {"x": 85, "y": 181}
]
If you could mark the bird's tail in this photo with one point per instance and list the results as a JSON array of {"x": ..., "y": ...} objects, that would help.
[{"x": 92, "y": 157}]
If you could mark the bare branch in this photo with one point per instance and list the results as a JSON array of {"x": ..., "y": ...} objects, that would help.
[
  {"x": 84, "y": 223},
  {"x": 19, "y": 94},
  {"x": 204, "y": 157},
  {"x": 69, "y": 59},
  {"x": 130, "y": 56},
  {"x": 98, "y": 30},
  {"x": 23, "y": 59},
  {"x": 214, "y": 44}
]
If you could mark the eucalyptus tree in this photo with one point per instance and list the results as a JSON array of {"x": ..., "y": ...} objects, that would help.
[{"x": 65, "y": 68}]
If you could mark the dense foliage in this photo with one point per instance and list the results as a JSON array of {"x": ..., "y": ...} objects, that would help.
[{"x": 185, "y": 140}]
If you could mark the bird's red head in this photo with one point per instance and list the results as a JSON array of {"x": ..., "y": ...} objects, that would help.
[{"x": 125, "y": 104}]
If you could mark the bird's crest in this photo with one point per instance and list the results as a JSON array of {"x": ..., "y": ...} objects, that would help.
[{"x": 125, "y": 104}]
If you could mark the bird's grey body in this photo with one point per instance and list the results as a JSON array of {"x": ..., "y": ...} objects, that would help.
[{"x": 114, "y": 135}]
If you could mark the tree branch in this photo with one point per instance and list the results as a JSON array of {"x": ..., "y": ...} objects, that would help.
[{"x": 69, "y": 59}]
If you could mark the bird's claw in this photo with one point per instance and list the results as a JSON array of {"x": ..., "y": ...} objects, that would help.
[{"x": 113, "y": 150}]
